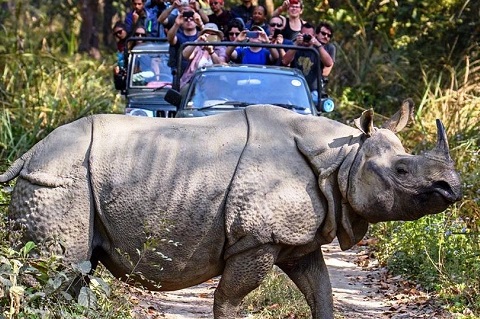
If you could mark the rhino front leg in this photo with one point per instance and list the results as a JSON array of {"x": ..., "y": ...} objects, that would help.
[
  {"x": 243, "y": 273},
  {"x": 310, "y": 274}
]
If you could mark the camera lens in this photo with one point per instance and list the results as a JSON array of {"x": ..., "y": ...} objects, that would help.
[{"x": 307, "y": 38}]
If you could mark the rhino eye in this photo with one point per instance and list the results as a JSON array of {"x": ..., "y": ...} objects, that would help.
[{"x": 401, "y": 171}]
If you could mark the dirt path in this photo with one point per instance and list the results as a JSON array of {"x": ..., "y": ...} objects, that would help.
[{"x": 359, "y": 292}]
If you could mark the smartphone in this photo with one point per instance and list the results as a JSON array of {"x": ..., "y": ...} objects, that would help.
[
  {"x": 212, "y": 38},
  {"x": 276, "y": 32},
  {"x": 252, "y": 34},
  {"x": 185, "y": 3},
  {"x": 188, "y": 14},
  {"x": 293, "y": 2}
]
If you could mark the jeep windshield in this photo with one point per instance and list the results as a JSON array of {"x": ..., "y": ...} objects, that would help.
[
  {"x": 150, "y": 71},
  {"x": 233, "y": 90}
]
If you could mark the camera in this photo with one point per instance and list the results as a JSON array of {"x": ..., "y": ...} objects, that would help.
[
  {"x": 188, "y": 14},
  {"x": 252, "y": 34},
  {"x": 307, "y": 38}
]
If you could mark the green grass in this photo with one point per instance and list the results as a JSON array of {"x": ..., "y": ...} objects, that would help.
[{"x": 276, "y": 298}]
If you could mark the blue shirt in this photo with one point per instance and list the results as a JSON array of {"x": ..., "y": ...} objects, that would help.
[{"x": 246, "y": 56}]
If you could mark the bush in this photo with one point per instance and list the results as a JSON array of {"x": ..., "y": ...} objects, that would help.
[{"x": 39, "y": 287}]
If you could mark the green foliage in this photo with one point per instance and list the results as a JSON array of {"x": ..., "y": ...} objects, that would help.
[
  {"x": 41, "y": 92},
  {"x": 39, "y": 287},
  {"x": 277, "y": 297},
  {"x": 382, "y": 47}
]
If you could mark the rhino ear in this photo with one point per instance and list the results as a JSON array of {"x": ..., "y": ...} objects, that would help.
[
  {"x": 365, "y": 122},
  {"x": 403, "y": 116}
]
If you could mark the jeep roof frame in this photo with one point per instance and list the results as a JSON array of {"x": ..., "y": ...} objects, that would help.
[{"x": 176, "y": 81}]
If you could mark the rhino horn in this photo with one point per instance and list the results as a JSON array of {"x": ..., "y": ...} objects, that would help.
[{"x": 441, "y": 151}]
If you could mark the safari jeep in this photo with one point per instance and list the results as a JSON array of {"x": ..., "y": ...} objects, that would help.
[
  {"x": 221, "y": 88},
  {"x": 147, "y": 79}
]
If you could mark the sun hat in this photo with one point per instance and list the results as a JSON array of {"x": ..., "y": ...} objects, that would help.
[
  {"x": 212, "y": 27},
  {"x": 256, "y": 28}
]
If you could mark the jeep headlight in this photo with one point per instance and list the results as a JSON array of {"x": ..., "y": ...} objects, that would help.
[{"x": 139, "y": 112}]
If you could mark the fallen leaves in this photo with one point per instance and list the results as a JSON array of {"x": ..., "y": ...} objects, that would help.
[{"x": 405, "y": 299}]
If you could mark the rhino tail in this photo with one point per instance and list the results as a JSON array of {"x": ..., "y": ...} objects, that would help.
[
  {"x": 15, "y": 169},
  {"x": 12, "y": 171}
]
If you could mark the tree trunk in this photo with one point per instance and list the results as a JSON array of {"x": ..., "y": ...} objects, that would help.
[
  {"x": 88, "y": 30},
  {"x": 108, "y": 14}
]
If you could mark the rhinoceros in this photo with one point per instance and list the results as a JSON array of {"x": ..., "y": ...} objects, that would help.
[{"x": 232, "y": 195}]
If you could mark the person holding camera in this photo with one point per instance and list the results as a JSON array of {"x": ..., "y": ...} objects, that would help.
[
  {"x": 206, "y": 55},
  {"x": 305, "y": 60},
  {"x": 252, "y": 55},
  {"x": 183, "y": 30},
  {"x": 276, "y": 26},
  {"x": 168, "y": 16}
]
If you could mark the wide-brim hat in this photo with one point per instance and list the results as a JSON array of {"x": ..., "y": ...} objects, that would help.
[
  {"x": 212, "y": 27},
  {"x": 256, "y": 28}
]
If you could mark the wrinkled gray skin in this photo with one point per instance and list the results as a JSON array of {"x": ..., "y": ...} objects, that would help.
[{"x": 229, "y": 195}]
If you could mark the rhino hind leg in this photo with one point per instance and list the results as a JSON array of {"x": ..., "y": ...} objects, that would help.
[
  {"x": 310, "y": 275},
  {"x": 243, "y": 273},
  {"x": 59, "y": 218}
]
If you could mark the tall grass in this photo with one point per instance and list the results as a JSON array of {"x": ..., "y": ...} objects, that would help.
[{"x": 41, "y": 92}]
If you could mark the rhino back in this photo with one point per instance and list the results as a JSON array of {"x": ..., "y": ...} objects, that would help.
[{"x": 165, "y": 180}]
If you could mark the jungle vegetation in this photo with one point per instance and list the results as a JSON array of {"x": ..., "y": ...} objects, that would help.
[{"x": 56, "y": 60}]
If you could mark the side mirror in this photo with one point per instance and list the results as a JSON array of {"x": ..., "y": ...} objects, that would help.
[
  {"x": 173, "y": 97},
  {"x": 324, "y": 103}
]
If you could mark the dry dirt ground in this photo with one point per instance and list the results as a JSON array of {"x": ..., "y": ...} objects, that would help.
[{"x": 361, "y": 290}]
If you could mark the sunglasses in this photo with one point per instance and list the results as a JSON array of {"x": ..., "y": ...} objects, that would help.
[
  {"x": 139, "y": 34},
  {"x": 326, "y": 34},
  {"x": 278, "y": 25},
  {"x": 214, "y": 3},
  {"x": 233, "y": 33},
  {"x": 117, "y": 33}
]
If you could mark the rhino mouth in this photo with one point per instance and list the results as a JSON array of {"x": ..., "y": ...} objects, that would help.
[
  {"x": 437, "y": 198},
  {"x": 444, "y": 189}
]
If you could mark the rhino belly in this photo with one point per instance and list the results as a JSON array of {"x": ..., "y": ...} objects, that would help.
[{"x": 171, "y": 256}]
